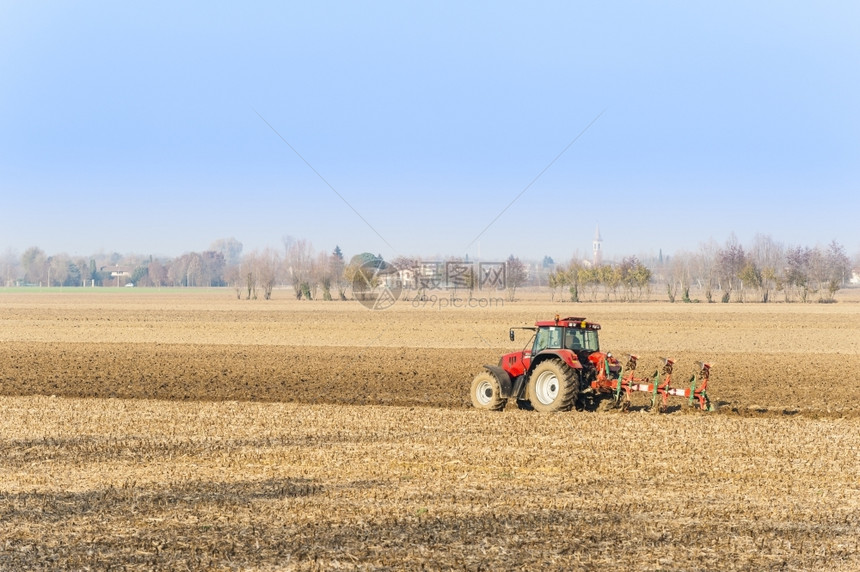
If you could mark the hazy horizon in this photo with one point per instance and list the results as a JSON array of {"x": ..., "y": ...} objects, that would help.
[{"x": 349, "y": 251}]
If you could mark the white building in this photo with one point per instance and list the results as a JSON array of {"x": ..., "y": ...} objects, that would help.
[{"x": 597, "y": 248}]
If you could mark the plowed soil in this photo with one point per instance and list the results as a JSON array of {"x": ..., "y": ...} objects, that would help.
[
  {"x": 185, "y": 430},
  {"x": 767, "y": 359},
  {"x": 766, "y": 384}
]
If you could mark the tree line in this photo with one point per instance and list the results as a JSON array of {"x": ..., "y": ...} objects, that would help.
[
  {"x": 310, "y": 274},
  {"x": 630, "y": 280},
  {"x": 764, "y": 271}
]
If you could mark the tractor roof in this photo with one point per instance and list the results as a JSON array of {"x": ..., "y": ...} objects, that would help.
[{"x": 570, "y": 322}]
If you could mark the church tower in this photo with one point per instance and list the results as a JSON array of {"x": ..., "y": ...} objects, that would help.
[{"x": 597, "y": 247}]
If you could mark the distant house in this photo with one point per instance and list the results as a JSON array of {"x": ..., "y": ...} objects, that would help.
[
  {"x": 406, "y": 277},
  {"x": 116, "y": 272}
]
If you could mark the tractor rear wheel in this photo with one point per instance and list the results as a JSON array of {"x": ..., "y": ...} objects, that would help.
[
  {"x": 553, "y": 386},
  {"x": 486, "y": 392}
]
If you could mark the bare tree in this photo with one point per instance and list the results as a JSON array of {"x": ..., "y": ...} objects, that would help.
[
  {"x": 678, "y": 276},
  {"x": 177, "y": 271},
  {"x": 798, "y": 261},
  {"x": 157, "y": 273},
  {"x": 705, "y": 268},
  {"x": 816, "y": 271},
  {"x": 730, "y": 261},
  {"x": 299, "y": 256},
  {"x": 268, "y": 265},
  {"x": 194, "y": 271},
  {"x": 516, "y": 276},
  {"x": 187, "y": 270},
  {"x": 589, "y": 278},
  {"x": 233, "y": 276},
  {"x": 214, "y": 264},
  {"x": 641, "y": 275},
  {"x": 557, "y": 281},
  {"x": 58, "y": 269},
  {"x": 751, "y": 279},
  {"x": 35, "y": 264},
  {"x": 337, "y": 266},
  {"x": 769, "y": 257},
  {"x": 627, "y": 283},
  {"x": 248, "y": 275},
  {"x": 819, "y": 273},
  {"x": 634, "y": 276},
  {"x": 81, "y": 271},
  {"x": 610, "y": 278},
  {"x": 9, "y": 266},
  {"x": 838, "y": 269},
  {"x": 575, "y": 274},
  {"x": 322, "y": 275}
]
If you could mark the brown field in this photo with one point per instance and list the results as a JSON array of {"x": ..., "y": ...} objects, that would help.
[{"x": 171, "y": 429}]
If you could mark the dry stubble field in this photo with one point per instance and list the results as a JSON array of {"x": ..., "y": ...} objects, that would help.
[{"x": 170, "y": 429}]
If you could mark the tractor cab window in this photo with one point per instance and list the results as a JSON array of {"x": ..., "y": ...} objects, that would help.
[
  {"x": 547, "y": 338},
  {"x": 576, "y": 339},
  {"x": 591, "y": 343}
]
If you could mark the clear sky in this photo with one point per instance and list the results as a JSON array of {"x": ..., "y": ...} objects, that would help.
[{"x": 136, "y": 127}]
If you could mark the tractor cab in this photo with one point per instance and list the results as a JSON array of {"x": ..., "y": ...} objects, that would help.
[
  {"x": 569, "y": 337},
  {"x": 572, "y": 339}
]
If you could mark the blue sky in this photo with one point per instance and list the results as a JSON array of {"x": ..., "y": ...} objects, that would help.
[{"x": 134, "y": 127}]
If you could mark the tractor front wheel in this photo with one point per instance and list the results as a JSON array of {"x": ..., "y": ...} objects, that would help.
[
  {"x": 486, "y": 393},
  {"x": 553, "y": 386}
]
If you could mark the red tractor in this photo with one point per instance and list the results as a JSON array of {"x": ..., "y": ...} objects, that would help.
[{"x": 561, "y": 366}]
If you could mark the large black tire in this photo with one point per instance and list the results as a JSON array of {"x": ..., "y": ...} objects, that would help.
[
  {"x": 553, "y": 386},
  {"x": 486, "y": 393}
]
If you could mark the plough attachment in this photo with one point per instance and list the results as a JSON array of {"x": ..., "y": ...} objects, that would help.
[
  {"x": 659, "y": 385},
  {"x": 698, "y": 392}
]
